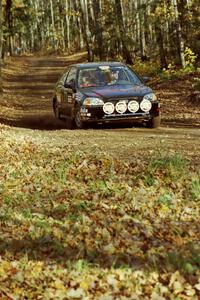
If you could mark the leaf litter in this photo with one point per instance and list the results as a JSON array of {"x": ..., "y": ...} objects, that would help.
[{"x": 87, "y": 225}]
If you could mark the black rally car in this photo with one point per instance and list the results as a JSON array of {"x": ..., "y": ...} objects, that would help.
[{"x": 104, "y": 92}]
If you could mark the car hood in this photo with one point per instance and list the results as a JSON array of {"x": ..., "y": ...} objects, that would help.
[{"x": 115, "y": 91}]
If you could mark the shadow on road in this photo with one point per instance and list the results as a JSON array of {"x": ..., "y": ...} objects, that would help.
[
  {"x": 28, "y": 84},
  {"x": 42, "y": 122}
]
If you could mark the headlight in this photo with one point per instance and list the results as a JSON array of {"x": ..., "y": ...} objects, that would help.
[
  {"x": 133, "y": 106},
  {"x": 92, "y": 101},
  {"x": 150, "y": 97},
  {"x": 145, "y": 105}
]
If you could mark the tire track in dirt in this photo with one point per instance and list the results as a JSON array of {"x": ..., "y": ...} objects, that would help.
[{"x": 28, "y": 84}]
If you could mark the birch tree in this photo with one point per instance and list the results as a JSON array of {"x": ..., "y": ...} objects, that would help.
[
  {"x": 1, "y": 43},
  {"x": 9, "y": 22},
  {"x": 53, "y": 25},
  {"x": 97, "y": 28},
  {"x": 83, "y": 9},
  {"x": 122, "y": 33},
  {"x": 179, "y": 34},
  {"x": 67, "y": 20}
]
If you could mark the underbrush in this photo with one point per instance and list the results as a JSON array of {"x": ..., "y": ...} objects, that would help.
[
  {"x": 172, "y": 71},
  {"x": 149, "y": 68},
  {"x": 78, "y": 225}
]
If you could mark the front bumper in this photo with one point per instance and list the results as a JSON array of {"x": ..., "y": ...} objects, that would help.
[{"x": 96, "y": 115}]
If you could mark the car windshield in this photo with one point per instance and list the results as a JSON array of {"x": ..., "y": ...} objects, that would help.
[{"x": 106, "y": 75}]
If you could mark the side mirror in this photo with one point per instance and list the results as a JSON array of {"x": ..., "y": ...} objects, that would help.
[
  {"x": 70, "y": 85},
  {"x": 145, "y": 79}
]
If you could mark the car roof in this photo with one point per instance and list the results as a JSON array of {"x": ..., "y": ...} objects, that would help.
[{"x": 97, "y": 64}]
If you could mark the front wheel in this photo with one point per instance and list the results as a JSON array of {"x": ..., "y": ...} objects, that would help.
[
  {"x": 154, "y": 122},
  {"x": 56, "y": 109},
  {"x": 79, "y": 124}
]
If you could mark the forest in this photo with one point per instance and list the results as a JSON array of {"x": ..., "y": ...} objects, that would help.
[
  {"x": 107, "y": 29},
  {"x": 107, "y": 212}
]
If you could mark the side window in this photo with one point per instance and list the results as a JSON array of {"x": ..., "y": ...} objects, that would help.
[
  {"x": 64, "y": 76},
  {"x": 133, "y": 77},
  {"x": 123, "y": 76},
  {"x": 71, "y": 77}
]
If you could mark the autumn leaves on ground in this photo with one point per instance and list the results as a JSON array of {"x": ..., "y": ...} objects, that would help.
[{"x": 103, "y": 214}]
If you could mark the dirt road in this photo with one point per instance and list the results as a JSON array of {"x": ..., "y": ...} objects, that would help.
[{"x": 27, "y": 103}]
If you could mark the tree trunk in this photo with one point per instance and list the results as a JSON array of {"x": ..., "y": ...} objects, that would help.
[
  {"x": 98, "y": 29},
  {"x": 137, "y": 21},
  {"x": 83, "y": 8},
  {"x": 142, "y": 32},
  {"x": 179, "y": 34},
  {"x": 162, "y": 54},
  {"x": 76, "y": 31},
  {"x": 122, "y": 33},
  {"x": 1, "y": 41},
  {"x": 36, "y": 26},
  {"x": 9, "y": 25},
  {"x": 60, "y": 20},
  {"x": 67, "y": 19},
  {"x": 53, "y": 26},
  {"x": 150, "y": 28}
]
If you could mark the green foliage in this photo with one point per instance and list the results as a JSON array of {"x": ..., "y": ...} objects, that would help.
[
  {"x": 168, "y": 73},
  {"x": 172, "y": 72},
  {"x": 101, "y": 186},
  {"x": 150, "y": 68},
  {"x": 190, "y": 59},
  {"x": 149, "y": 179},
  {"x": 172, "y": 166},
  {"x": 188, "y": 264},
  {"x": 165, "y": 199},
  {"x": 81, "y": 265},
  {"x": 195, "y": 188}
]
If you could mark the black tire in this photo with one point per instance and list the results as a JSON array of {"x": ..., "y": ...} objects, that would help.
[
  {"x": 56, "y": 109},
  {"x": 154, "y": 122},
  {"x": 79, "y": 124}
]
